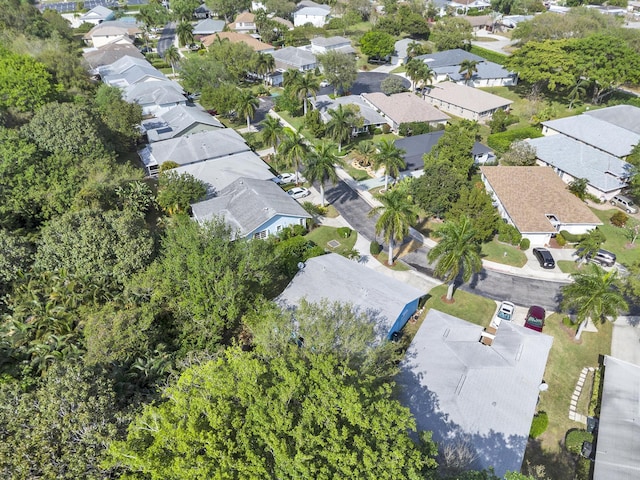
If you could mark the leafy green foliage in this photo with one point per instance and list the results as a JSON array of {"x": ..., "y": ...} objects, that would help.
[
  {"x": 376, "y": 43},
  {"x": 575, "y": 438},
  {"x": 177, "y": 191},
  {"x": 413, "y": 128},
  {"x": 375, "y": 248},
  {"x": 476, "y": 204},
  {"x": 495, "y": 57},
  {"x": 392, "y": 84},
  {"x": 619, "y": 219},
  {"x": 525, "y": 243},
  {"x": 15, "y": 256},
  {"x": 539, "y": 424},
  {"x": 340, "y": 70},
  {"x": 519, "y": 154},
  {"x": 121, "y": 118},
  {"x": 437, "y": 189},
  {"x": 25, "y": 84},
  {"x": 451, "y": 32},
  {"x": 500, "y": 142}
]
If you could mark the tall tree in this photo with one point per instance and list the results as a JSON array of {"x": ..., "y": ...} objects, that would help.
[
  {"x": 468, "y": 68},
  {"x": 321, "y": 166},
  {"x": 305, "y": 86},
  {"x": 377, "y": 44},
  {"x": 457, "y": 252},
  {"x": 413, "y": 67},
  {"x": 246, "y": 105},
  {"x": 294, "y": 148},
  {"x": 390, "y": 158},
  {"x": 593, "y": 294},
  {"x": 183, "y": 9},
  {"x": 272, "y": 131},
  {"x": 25, "y": 84},
  {"x": 451, "y": 32},
  {"x": 228, "y": 8},
  {"x": 340, "y": 126},
  {"x": 184, "y": 31},
  {"x": 590, "y": 245},
  {"x": 264, "y": 64},
  {"x": 397, "y": 212},
  {"x": 172, "y": 55},
  {"x": 340, "y": 70}
]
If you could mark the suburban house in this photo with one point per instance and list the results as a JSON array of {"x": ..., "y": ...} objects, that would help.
[
  {"x": 194, "y": 148},
  {"x": 252, "y": 208},
  {"x": 400, "y": 55},
  {"x": 404, "y": 107},
  {"x": 235, "y": 37},
  {"x": 480, "y": 395},
  {"x": 572, "y": 160},
  {"x": 466, "y": 102},
  {"x": 108, "y": 54},
  {"x": 537, "y": 202},
  {"x": 618, "y": 433},
  {"x": 387, "y": 302},
  {"x": 286, "y": 24},
  {"x": 134, "y": 75},
  {"x": 97, "y": 15},
  {"x": 480, "y": 22},
  {"x": 324, "y": 104},
  {"x": 218, "y": 173},
  {"x": 208, "y": 26},
  {"x": 446, "y": 66},
  {"x": 107, "y": 32},
  {"x": 322, "y": 45},
  {"x": 316, "y": 14},
  {"x": 416, "y": 146},
  {"x": 155, "y": 98},
  {"x": 614, "y": 130},
  {"x": 179, "y": 121},
  {"x": 245, "y": 22},
  {"x": 463, "y": 6},
  {"x": 202, "y": 12},
  {"x": 294, "y": 58}
]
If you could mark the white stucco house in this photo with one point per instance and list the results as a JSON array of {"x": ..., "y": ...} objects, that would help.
[{"x": 316, "y": 14}]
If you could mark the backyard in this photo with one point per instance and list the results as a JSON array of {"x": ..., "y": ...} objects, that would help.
[
  {"x": 617, "y": 240},
  {"x": 329, "y": 239}
]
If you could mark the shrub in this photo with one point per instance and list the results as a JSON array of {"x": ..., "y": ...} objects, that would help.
[
  {"x": 344, "y": 232},
  {"x": 386, "y": 128},
  {"x": 525, "y": 244},
  {"x": 313, "y": 209},
  {"x": 500, "y": 142},
  {"x": 561, "y": 240},
  {"x": 539, "y": 424},
  {"x": 413, "y": 128},
  {"x": 572, "y": 237},
  {"x": 567, "y": 322},
  {"x": 508, "y": 234},
  {"x": 375, "y": 248},
  {"x": 583, "y": 469},
  {"x": 490, "y": 55},
  {"x": 574, "y": 439},
  {"x": 619, "y": 219}
]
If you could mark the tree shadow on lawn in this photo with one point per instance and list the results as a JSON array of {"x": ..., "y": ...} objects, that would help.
[{"x": 560, "y": 464}]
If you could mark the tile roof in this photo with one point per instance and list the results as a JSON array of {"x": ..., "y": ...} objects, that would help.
[
  {"x": 602, "y": 170},
  {"x": 236, "y": 37},
  {"x": 528, "y": 194},
  {"x": 469, "y": 98},
  {"x": 338, "y": 279},
  {"x": 598, "y": 132},
  {"x": 463, "y": 391},
  {"x": 324, "y": 103},
  {"x": 245, "y": 17},
  {"x": 405, "y": 107},
  {"x": 247, "y": 203}
]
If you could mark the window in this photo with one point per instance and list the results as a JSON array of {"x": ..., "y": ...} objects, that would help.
[{"x": 261, "y": 235}]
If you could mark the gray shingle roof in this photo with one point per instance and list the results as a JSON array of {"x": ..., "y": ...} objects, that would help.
[
  {"x": 134, "y": 75},
  {"x": 463, "y": 390},
  {"x": 339, "y": 279},
  {"x": 296, "y": 57},
  {"x": 112, "y": 27},
  {"x": 469, "y": 98},
  {"x": 448, "y": 58},
  {"x": 625, "y": 116},
  {"x": 485, "y": 70},
  {"x": 619, "y": 430},
  {"x": 405, "y": 107},
  {"x": 175, "y": 121},
  {"x": 597, "y": 132},
  {"x": 154, "y": 93},
  {"x": 123, "y": 64},
  {"x": 329, "y": 41},
  {"x": 194, "y": 148},
  {"x": 312, "y": 12},
  {"x": 208, "y": 27},
  {"x": 324, "y": 103},
  {"x": 312, "y": 4},
  {"x": 110, "y": 53},
  {"x": 247, "y": 203},
  {"x": 602, "y": 170},
  {"x": 219, "y": 173}
]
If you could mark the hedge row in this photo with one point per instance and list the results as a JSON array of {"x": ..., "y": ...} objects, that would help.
[
  {"x": 500, "y": 142},
  {"x": 490, "y": 55}
]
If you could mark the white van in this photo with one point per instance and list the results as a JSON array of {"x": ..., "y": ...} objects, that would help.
[{"x": 625, "y": 203}]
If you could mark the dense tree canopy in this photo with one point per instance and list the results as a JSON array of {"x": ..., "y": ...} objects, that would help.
[
  {"x": 25, "y": 84},
  {"x": 377, "y": 44},
  {"x": 451, "y": 32}
]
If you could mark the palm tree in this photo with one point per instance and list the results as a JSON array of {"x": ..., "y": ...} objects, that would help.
[
  {"x": 427, "y": 76},
  {"x": 397, "y": 213},
  {"x": 320, "y": 166},
  {"x": 458, "y": 252},
  {"x": 578, "y": 91},
  {"x": 468, "y": 67},
  {"x": 589, "y": 245},
  {"x": 294, "y": 149},
  {"x": 413, "y": 71},
  {"x": 172, "y": 55},
  {"x": 365, "y": 150},
  {"x": 390, "y": 157},
  {"x": 305, "y": 85},
  {"x": 593, "y": 294},
  {"x": 272, "y": 131},
  {"x": 340, "y": 127},
  {"x": 264, "y": 64},
  {"x": 246, "y": 105},
  {"x": 290, "y": 77},
  {"x": 184, "y": 31}
]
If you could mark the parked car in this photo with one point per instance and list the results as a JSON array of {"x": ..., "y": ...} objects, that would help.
[
  {"x": 285, "y": 178},
  {"x": 602, "y": 257},
  {"x": 535, "y": 318},
  {"x": 324, "y": 83},
  {"x": 146, "y": 50},
  {"x": 544, "y": 257},
  {"x": 505, "y": 312},
  {"x": 625, "y": 203},
  {"x": 299, "y": 192}
]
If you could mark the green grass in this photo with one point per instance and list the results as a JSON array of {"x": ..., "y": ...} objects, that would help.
[
  {"x": 616, "y": 239},
  {"x": 495, "y": 251},
  {"x": 469, "y": 307},
  {"x": 321, "y": 236},
  {"x": 383, "y": 256},
  {"x": 427, "y": 226},
  {"x": 355, "y": 173},
  {"x": 567, "y": 266},
  {"x": 296, "y": 122}
]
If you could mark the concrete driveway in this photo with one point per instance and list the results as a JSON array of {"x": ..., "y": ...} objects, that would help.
[
  {"x": 366, "y": 82},
  {"x": 625, "y": 341}
]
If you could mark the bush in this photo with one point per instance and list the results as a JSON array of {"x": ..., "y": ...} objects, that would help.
[
  {"x": 375, "y": 248},
  {"x": 619, "y": 219},
  {"x": 561, "y": 241},
  {"x": 313, "y": 209},
  {"x": 500, "y": 142},
  {"x": 525, "y": 244},
  {"x": 575, "y": 438},
  {"x": 572, "y": 237},
  {"x": 539, "y": 424},
  {"x": 344, "y": 232},
  {"x": 508, "y": 234},
  {"x": 583, "y": 469},
  {"x": 413, "y": 128},
  {"x": 386, "y": 128},
  {"x": 490, "y": 55}
]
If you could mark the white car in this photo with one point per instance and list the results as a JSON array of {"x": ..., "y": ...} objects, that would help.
[
  {"x": 506, "y": 310},
  {"x": 285, "y": 178},
  {"x": 324, "y": 83},
  {"x": 298, "y": 192}
]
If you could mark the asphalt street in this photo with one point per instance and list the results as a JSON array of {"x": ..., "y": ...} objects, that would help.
[
  {"x": 166, "y": 38},
  {"x": 496, "y": 285}
]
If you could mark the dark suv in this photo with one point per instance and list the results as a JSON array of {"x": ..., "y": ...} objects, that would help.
[{"x": 544, "y": 257}]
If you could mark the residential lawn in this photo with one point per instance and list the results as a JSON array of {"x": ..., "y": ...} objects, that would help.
[
  {"x": 321, "y": 236},
  {"x": 499, "y": 252},
  {"x": 397, "y": 266},
  {"x": 426, "y": 226},
  {"x": 566, "y": 359},
  {"x": 485, "y": 39},
  {"x": 468, "y": 306},
  {"x": 567, "y": 266},
  {"x": 616, "y": 239},
  {"x": 355, "y": 173},
  {"x": 296, "y": 122},
  {"x": 400, "y": 69}
]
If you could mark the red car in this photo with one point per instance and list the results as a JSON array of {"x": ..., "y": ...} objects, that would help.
[{"x": 535, "y": 318}]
